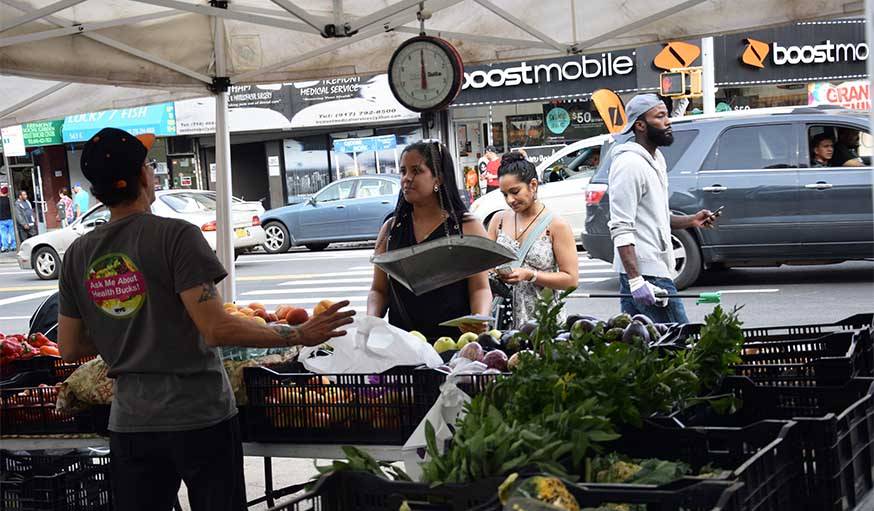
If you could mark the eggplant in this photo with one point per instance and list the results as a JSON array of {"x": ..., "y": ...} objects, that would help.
[
  {"x": 583, "y": 327},
  {"x": 643, "y": 318},
  {"x": 613, "y": 335},
  {"x": 488, "y": 342},
  {"x": 619, "y": 321},
  {"x": 634, "y": 333},
  {"x": 571, "y": 319},
  {"x": 564, "y": 336},
  {"x": 529, "y": 327}
]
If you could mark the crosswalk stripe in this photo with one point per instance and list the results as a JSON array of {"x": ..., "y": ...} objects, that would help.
[
  {"x": 27, "y": 297},
  {"x": 14, "y": 289},
  {"x": 302, "y": 276},
  {"x": 312, "y": 282},
  {"x": 310, "y": 290},
  {"x": 599, "y": 279}
]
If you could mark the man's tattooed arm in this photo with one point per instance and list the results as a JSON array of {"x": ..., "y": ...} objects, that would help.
[
  {"x": 290, "y": 334},
  {"x": 207, "y": 292}
]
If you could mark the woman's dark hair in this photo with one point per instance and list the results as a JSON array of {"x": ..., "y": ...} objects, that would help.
[
  {"x": 64, "y": 191},
  {"x": 515, "y": 164},
  {"x": 437, "y": 158},
  {"x": 110, "y": 196}
]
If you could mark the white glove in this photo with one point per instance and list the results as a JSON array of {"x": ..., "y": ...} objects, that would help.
[{"x": 661, "y": 295}]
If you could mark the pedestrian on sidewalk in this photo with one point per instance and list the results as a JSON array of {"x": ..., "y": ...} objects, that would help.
[
  {"x": 145, "y": 287},
  {"x": 65, "y": 207},
  {"x": 24, "y": 217},
  {"x": 640, "y": 218},
  {"x": 81, "y": 199},
  {"x": 490, "y": 171},
  {"x": 7, "y": 234}
]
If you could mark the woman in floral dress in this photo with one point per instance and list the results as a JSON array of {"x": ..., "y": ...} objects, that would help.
[{"x": 551, "y": 261}]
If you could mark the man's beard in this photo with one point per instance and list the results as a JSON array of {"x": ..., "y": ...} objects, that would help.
[{"x": 659, "y": 137}]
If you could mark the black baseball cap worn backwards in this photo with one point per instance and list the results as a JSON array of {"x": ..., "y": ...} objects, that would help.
[{"x": 112, "y": 158}]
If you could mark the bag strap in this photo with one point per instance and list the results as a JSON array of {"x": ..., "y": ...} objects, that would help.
[{"x": 532, "y": 237}]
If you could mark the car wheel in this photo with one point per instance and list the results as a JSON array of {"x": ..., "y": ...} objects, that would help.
[
  {"x": 46, "y": 263},
  {"x": 687, "y": 259},
  {"x": 277, "y": 238},
  {"x": 316, "y": 247}
]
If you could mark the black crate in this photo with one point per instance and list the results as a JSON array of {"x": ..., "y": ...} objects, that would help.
[
  {"x": 292, "y": 406},
  {"x": 797, "y": 355},
  {"x": 831, "y": 359},
  {"x": 55, "y": 481},
  {"x": 764, "y": 456},
  {"x": 836, "y": 425},
  {"x": 341, "y": 491},
  {"x": 31, "y": 411},
  {"x": 682, "y": 333},
  {"x": 15, "y": 367},
  {"x": 760, "y": 464}
]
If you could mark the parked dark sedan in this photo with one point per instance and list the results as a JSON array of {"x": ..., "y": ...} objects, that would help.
[
  {"x": 779, "y": 206},
  {"x": 351, "y": 209}
]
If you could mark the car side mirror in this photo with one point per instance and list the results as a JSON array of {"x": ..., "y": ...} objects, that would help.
[{"x": 312, "y": 201}]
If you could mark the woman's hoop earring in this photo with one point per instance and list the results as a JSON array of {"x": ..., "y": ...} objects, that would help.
[{"x": 436, "y": 188}]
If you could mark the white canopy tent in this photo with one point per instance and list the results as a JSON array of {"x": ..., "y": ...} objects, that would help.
[{"x": 82, "y": 51}]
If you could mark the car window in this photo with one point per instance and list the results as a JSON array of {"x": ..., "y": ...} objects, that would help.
[
  {"x": 832, "y": 145},
  {"x": 336, "y": 191},
  {"x": 753, "y": 147},
  {"x": 189, "y": 202},
  {"x": 375, "y": 188},
  {"x": 98, "y": 216},
  {"x": 682, "y": 141}
]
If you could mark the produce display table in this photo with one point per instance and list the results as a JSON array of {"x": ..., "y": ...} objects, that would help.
[{"x": 262, "y": 450}]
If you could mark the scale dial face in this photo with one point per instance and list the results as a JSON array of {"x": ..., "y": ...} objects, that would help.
[{"x": 425, "y": 74}]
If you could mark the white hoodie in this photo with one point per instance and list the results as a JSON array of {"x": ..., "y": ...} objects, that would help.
[{"x": 639, "y": 212}]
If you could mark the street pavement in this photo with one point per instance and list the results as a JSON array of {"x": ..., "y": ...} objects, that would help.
[{"x": 769, "y": 296}]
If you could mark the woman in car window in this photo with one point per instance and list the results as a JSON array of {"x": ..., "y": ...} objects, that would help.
[
  {"x": 544, "y": 240},
  {"x": 429, "y": 207}
]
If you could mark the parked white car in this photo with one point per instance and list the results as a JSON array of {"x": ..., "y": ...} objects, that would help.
[
  {"x": 43, "y": 253},
  {"x": 563, "y": 177}
]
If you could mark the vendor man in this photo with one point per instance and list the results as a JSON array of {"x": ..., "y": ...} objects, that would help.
[{"x": 140, "y": 292}]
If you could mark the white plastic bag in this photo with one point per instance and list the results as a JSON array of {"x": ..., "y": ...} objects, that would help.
[
  {"x": 448, "y": 409},
  {"x": 371, "y": 346}
]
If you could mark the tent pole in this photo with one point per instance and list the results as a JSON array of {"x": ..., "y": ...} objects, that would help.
[{"x": 224, "y": 239}]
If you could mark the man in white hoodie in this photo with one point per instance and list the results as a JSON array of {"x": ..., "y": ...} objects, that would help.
[{"x": 640, "y": 219}]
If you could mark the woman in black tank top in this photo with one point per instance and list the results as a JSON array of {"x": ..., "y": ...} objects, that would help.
[{"x": 428, "y": 208}]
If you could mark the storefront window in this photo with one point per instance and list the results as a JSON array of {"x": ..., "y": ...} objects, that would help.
[
  {"x": 307, "y": 167},
  {"x": 525, "y": 130}
]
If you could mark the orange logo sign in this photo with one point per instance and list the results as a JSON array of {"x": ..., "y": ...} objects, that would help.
[
  {"x": 755, "y": 53},
  {"x": 675, "y": 55},
  {"x": 611, "y": 109}
]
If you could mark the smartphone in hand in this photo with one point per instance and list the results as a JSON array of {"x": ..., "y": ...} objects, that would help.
[{"x": 504, "y": 270}]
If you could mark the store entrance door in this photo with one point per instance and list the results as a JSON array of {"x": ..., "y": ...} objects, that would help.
[
  {"x": 184, "y": 171},
  {"x": 470, "y": 145}
]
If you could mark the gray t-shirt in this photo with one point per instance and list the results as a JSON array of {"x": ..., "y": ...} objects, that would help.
[{"x": 123, "y": 280}]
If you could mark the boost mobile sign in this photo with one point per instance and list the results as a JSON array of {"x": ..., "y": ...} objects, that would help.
[
  {"x": 802, "y": 52},
  {"x": 820, "y": 53},
  {"x": 575, "y": 76},
  {"x": 529, "y": 74}
]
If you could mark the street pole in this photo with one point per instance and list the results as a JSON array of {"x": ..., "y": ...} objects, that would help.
[
  {"x": 12, "y": 196},
  {"x": 224, "y": 239},
  {"x": 708, "y": 75}
]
